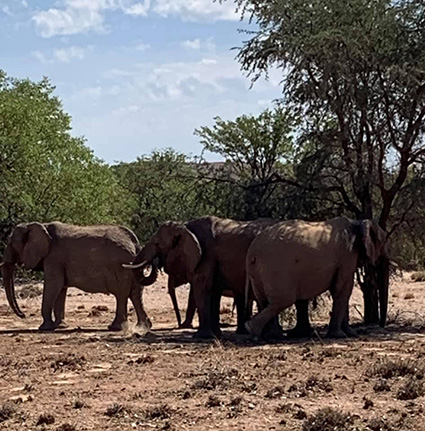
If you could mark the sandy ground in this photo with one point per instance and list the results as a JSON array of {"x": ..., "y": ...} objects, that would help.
[{"x": 86, "y": 378}]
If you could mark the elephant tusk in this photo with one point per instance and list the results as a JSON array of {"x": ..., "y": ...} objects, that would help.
[
  {"x": 138, "y": 265},
  {"x": 1, "y": 264}
]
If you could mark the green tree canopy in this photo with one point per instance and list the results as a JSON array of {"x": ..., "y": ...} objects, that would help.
[
  {"x": 255, "y": 150},
  {"x": 46, "y": 174}
]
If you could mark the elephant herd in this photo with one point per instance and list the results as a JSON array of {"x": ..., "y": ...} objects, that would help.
[{"x": 274, "y": 263}]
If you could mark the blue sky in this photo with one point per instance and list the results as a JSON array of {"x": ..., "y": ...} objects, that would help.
[{"x": 135, "y": 75}]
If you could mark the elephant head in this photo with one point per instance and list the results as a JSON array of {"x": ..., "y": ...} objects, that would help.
[
  {"x": 28, "y": 245},
  {"x": 372, "y": 252},
  {"x": 174, "y": 248}
]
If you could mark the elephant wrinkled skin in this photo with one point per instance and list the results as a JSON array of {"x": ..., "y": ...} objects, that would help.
[
  {"x": 298, "y": 260},
  {"x": 89, "y": 258}
]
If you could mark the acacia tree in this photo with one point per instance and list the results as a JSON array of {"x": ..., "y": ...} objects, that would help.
[
  {"x": 355, "y": 69},
  {"x": 254, "y": 148}
]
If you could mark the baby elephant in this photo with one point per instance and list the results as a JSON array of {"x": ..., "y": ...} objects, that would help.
[
  {"x": 89, "y": 258},
  {"x": 298, "y": 260}
]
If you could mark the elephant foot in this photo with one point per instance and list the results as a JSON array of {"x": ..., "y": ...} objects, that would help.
[
  {"x": 116, "y": 327},
  {"x": 241, "y": 330},
  {"x": 300, "y": 332},
  {"x": 61, "y": 325},
  {"x": 47, "y": 327},
  {"x": 204, "y": 335},
  {"x": 147, "y": 324},
  {"x": 252, "y": 330},
  {"x": 186, "y": 325},
  {"x": 333, "y": 333},
  {"x": 350, "y": 332}
]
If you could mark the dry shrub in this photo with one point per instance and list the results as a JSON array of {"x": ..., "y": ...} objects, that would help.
[
  {"x": 217, "y": 379},
  {"x": 115, "y": 410},
  {"x": 158, "y": 412},
  {"x": 381, "y": 386},
  {"x": 69, "y": 362},
  {"x": 411, "y": 390},
  {"x": 213, "y": 401},
  {"x": 65, "y": 427},
  {"x": 7, "y": 410},
  {"x": 328, "y": 419},
  {"x": 388, "y": 369},
  {"x": 45, "y": 419},
  {"x": 379, "y": 424}
]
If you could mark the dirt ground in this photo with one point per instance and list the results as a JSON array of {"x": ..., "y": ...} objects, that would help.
[{"x": 86, "y": 378}]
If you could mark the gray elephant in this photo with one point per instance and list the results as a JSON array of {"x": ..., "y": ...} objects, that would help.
[
  {"x": 209, "y": 253},
  {"x": 89, "y": 258},
  {"x": 298, "y": 260}
]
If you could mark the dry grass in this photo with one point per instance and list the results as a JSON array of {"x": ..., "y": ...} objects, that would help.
[
  {"x": 328, "y": 419},
  {"x": 418, "y": 276}
]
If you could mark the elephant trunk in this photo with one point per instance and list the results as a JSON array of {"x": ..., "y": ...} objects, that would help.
[
  {"x": 151, "y": 278},
  {"x": 9, "y": 286},
  {"x": 383, "y": 275}
]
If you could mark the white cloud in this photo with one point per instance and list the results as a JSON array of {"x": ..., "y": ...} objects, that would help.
[
  {"x": 194, "y": 10},
  {"x": 66, "y": 55},
  {"x": 198, "y": 44},
  {"x": 192, "y": 44},
  {"x": 180, "y": 80},
  {"x": 141, "y": 46},
  {"x": 93, "y": 93},
  {"x": 81, "y": 16},
  {"x": 62, "y": 55}
]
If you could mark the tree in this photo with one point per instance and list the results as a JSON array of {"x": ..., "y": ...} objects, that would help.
[
  {"x": 254, "y": 149},
  {"x": 161, "y": 186},
  {"x": 46, "y": 174},
  {"x": 356, "y": 71}
]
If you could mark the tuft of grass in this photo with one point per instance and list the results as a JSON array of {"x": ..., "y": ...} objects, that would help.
[
  {"x": 45, "y": 419},
  {"x": 418, "y": 276},
  {"x": 115, "y": 410},
  {"x": 145, "y": 359},
  {"x": 66, "y": 427},
  {"x": 388, "y": 369},
  {"x": 411, "y": 390},
  {"x": 7, "y": 410},
  {"x": 158, "y": 412},
  {"x": 217, "y": 378},
  {"x": 381, "y": 386},
  {"x": 213, "y": 401},
  {"x": 328, "y": 419},
  {"x": 378, "y": 424},
  {"x": 68, "y": 361},
  {"x": 275, "y": 392}
]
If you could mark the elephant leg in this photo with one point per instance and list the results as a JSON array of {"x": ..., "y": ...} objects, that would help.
[
  {"x": 242, "y": 314},
  {"x": 349, "y": 331},
  {"x": 273, "y": 330},
  {"x": 54, "y": 283},
  {"x": 190, "y": 311},
  {"x": 59, "y": 310},
  {"x": 120, "y": 314},
  {"x": 302, "y": 328},
  {"x": 143, "y": 320},
  {"x": 202, "y": 288},
  {"x": 257, "y": 323},
  {"x": 341, "y": 296},
  {"x": 215, "y": 312}
]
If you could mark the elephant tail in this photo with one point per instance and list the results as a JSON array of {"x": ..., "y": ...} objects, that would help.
[{"x": 250, "y": 262}]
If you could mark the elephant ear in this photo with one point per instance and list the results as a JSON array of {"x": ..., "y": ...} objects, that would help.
[
  {"x": 185, "y": 253},
  {"x": 373, "y": 237},
  {"x": 36, "y": 246}
]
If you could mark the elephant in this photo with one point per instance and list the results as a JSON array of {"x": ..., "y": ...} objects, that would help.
[
  {"x": 87, "y": 257},
  {"x": 298, "y": 260},
  {"x": 209, "y": 253}
]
